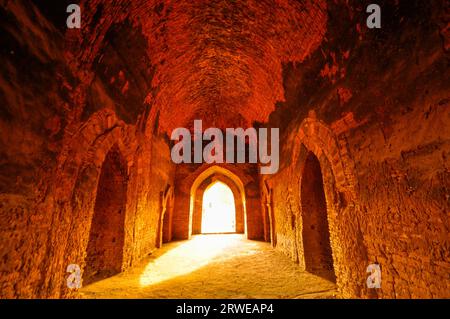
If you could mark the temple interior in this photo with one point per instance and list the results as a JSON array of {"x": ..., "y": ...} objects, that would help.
[{"x": 87, "y": 177}]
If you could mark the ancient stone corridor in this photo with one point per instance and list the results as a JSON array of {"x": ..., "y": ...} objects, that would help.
[{"x": 224, "y": 149}]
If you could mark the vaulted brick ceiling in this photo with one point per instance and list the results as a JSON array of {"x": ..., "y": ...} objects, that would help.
[{"x": 215, "y": 60}]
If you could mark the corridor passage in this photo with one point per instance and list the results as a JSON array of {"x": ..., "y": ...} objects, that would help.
[
  {"x": 213, "y": 266},
  {"x": 296, "y": 143}
]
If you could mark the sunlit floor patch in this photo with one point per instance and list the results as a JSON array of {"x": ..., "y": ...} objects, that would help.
[
  {"x": 214, "y": 266},
  {"x": 186, "y": 257}
]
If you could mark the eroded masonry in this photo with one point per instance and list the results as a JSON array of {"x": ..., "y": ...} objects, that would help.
[{"x": 86, "y": 175}]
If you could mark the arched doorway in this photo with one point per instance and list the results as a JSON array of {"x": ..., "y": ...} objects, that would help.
[
  {"x": 218, "y": 209},
  {"x": 315, "y": 231},
  {"x": 205, "y": 181},
  {"x": 106, "y": 237}
]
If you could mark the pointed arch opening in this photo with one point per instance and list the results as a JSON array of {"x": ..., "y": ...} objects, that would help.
[
  {"x": 207, "y": 202},
  {"x": 315, "y": 231},
  {"x": 218, "y": 209},
  {"x": 106, "y": 236}
]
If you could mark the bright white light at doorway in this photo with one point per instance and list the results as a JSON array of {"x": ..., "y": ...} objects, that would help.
[{"x": 218, "y": 210}]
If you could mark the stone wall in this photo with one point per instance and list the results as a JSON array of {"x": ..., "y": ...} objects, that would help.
[
  {"x": 54, "y": 145},
  {"x": 373, "y": 107}
]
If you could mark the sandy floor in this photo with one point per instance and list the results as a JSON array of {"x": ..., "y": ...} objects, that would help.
[{"x": 213, "y": 266}]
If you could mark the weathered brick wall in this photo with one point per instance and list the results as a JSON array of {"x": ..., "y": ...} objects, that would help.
[
  {"x": 375, "y": 112},
  {"x": 404, "y": 196},
  {"x": 371, "y": 105},
  {"x": 155, "y": 181},
  {"x": 339, "y": 188},
  {"x": 34, "y": 96},
  {"x": 57, "y": 127}
]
